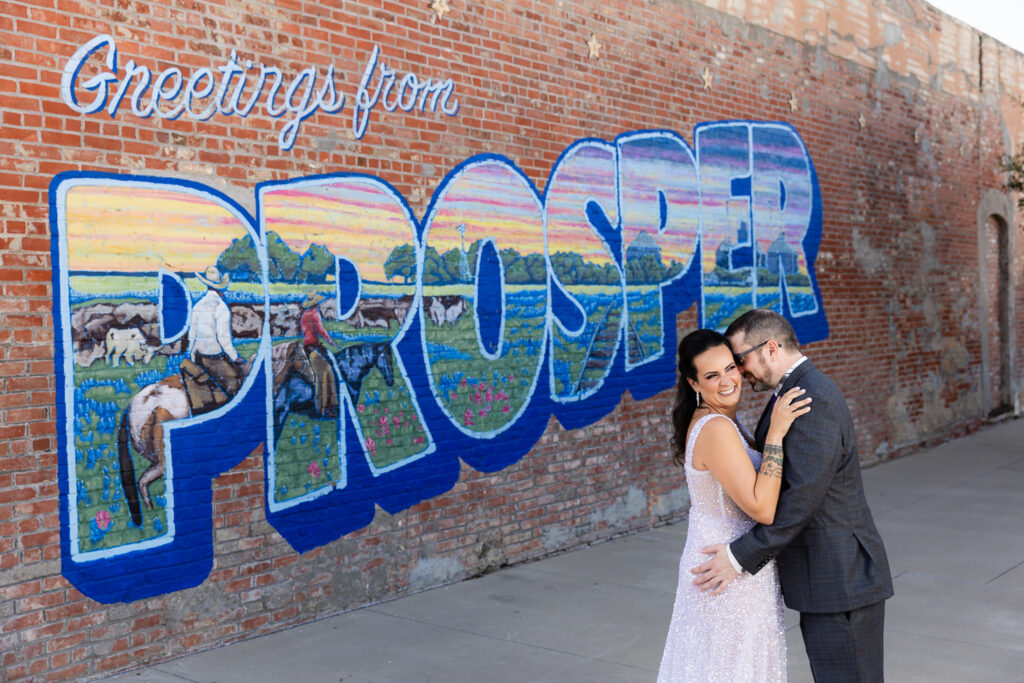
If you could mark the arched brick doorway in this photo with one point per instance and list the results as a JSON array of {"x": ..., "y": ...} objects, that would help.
[{"x": 996, "y": 245}]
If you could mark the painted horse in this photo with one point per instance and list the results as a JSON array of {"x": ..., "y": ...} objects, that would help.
[
  {"x": 294, "y": 381},
  {"x": 142, "y": 424},
  {"x": 142, "y": 428}
]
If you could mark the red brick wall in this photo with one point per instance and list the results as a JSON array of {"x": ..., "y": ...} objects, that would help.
[{"x": 898, "y": 270}]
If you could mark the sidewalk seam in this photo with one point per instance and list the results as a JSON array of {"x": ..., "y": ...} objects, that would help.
[
  {"x": 1004, "y": 573},
  {"x": 170, "y": 673},
  {"x": 953, "y": 640},
  {"x": 513, "y": 641}
]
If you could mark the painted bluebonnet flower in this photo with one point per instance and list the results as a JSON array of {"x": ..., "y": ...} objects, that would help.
[
  {"x": 83, "y": 494},
  {"x": 96, "y": 533},
  {"x": 147, "y": 377}
]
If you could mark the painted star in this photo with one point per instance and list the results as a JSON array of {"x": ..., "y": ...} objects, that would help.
[
  {"x": 793, "y": 104},
  {"x": 707, "y": 78},
  {"x": 440, "y": 8},
  {"x": 593, "y": 47}
]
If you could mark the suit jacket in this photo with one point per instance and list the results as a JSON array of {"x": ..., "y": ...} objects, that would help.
[{"x": 829, "y": 552}]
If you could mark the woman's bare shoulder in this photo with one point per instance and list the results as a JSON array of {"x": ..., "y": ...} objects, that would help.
[{"x": 718, "y": 430}]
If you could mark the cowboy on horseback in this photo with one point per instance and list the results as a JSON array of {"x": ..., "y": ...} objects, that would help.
[
  {"x": 216, "y": 371},
  {"x": 314, "y": 338},
  {"x": 211, "y": 376}
]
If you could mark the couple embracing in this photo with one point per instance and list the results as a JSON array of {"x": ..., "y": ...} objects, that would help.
[{"x": 784, "y": 508}]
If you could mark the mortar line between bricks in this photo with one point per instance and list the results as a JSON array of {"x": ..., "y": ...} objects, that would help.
[{"x": 511, "y": 640}]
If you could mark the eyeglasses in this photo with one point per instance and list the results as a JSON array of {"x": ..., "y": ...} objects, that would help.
[{"x": 738, "y": 357}]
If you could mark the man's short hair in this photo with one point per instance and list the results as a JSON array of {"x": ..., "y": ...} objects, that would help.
[{"x": 758, "y": 325}]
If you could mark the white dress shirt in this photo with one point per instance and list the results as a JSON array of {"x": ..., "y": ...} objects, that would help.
[{"x": 210, "y": 329}]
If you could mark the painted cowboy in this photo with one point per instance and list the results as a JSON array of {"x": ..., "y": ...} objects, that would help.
[
  {"x": 216, "y": 371},
  {"x": 314, "y": 338}
]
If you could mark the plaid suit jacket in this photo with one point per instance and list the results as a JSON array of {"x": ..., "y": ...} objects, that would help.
[{"x": 829, "y": 552}]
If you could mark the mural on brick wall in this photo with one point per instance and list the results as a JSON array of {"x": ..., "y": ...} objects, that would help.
[{"x": 368, "y": 350}]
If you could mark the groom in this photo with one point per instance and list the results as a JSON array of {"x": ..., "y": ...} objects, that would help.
[{"x": 832, "y": 564}]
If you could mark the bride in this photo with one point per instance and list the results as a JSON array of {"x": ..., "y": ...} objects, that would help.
[{"x": 737, "y": 636}]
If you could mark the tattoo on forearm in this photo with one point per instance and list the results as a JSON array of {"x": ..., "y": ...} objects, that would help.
[{"x": 771, "y": 466}]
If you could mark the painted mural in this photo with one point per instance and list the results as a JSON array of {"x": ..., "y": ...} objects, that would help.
[{"x": 368, "y": 350}]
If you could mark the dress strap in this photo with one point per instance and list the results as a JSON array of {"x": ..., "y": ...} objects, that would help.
[{"x": 691, "y": 443}]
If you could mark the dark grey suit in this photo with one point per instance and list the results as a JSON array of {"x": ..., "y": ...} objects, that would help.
[{"x": 832, "y": 563}]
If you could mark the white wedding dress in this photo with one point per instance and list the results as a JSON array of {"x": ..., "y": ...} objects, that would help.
[{"x": 739, "y": 635}]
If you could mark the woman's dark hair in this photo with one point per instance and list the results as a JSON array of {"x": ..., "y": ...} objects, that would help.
[{"x": 691, "y": 346}]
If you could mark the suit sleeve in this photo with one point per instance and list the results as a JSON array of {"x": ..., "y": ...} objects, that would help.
[{"x": 813, "y": 449}]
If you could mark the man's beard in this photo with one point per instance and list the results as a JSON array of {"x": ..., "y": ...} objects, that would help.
[{"x": 760, "y": 385}]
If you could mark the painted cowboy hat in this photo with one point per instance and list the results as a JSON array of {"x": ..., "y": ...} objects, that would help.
[
  {"x": 313, "y": 299},
  {"x": 214, "y": 278}
]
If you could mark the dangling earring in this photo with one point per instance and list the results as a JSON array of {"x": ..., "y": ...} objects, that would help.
[{"x": 698, "y": 399}]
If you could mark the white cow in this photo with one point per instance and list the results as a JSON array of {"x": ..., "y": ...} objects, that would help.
[
  {"x": 445, "y": 310},
  {"x": 129, "y": 344}
]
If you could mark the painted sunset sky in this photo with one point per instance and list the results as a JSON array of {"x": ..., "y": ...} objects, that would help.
[
  {"x": 140, "y": 227},
  {"x": 356, "y": 218},
  {"x": 588, "y": 174},
  {"x": 660, "y": 163},
  {"x": 768, "y": 154},
  {"x": 492, "y": 201}
]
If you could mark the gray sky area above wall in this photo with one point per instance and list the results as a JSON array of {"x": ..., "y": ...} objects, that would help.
[{"x": 1001, "y": 19}]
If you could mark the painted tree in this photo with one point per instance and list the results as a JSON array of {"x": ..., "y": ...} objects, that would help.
[{"x": 401, "y": 262}]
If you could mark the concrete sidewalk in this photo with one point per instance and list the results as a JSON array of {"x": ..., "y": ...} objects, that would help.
[{"x": 952, "y": 518}]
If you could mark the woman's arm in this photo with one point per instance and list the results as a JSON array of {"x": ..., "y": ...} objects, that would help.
[
  {"x": 720, "y": 449},
  {"x": 756, "y": 492}
]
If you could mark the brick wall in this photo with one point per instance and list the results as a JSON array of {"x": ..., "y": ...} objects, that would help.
[{"x": 902, "y": 112}]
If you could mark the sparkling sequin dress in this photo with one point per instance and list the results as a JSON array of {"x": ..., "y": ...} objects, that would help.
[{"x": 738, "y": 636}]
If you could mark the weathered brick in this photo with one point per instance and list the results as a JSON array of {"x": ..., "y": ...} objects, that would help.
[{"x": 897, "y": 265}]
